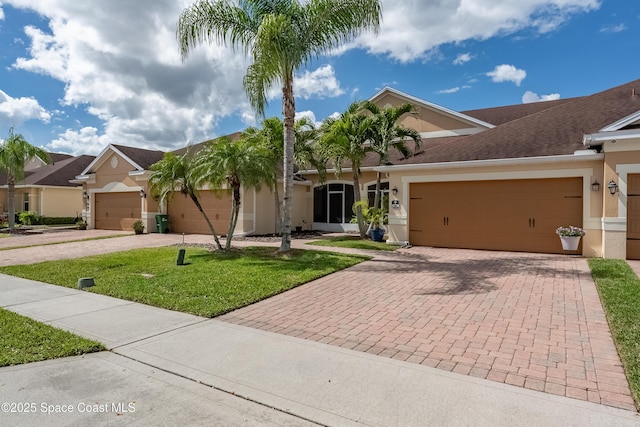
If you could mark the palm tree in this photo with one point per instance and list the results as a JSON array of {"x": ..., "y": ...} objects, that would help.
[
  {"x": 172, "y": 174},
  {"x": 346, "y": 137},
  {"x": 234, "y": 165},
  {"x": 385, "y": 134},
  {"x": 271, "y": 135},
  {"x": 14, "y": 153},
  {"x": 281, "y": 36}
]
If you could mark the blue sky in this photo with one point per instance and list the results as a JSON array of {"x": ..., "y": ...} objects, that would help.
[{"x": 76, "y": 76}]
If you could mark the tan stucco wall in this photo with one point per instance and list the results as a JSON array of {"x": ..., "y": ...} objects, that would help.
[
  {"x": 589, "y": 170},
  {"x": 60, "y": 201}
]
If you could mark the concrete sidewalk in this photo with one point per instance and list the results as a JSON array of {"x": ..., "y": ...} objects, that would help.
[{"x": 303, "y": 380}]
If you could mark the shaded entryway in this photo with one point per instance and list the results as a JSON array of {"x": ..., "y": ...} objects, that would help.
[{"x": 530, "y": 320}]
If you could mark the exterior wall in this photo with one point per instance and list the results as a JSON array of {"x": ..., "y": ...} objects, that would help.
[
  {"x": 3, "y": 200},
  {"x": 426, "y": 120},
  {"x": 621, "y": 159},
  {"x": 302, "y": 212},
  {"x": 60, "y": 201},
  {"x": 111, "y": 175},
  {"x": 589, "y": 170}
]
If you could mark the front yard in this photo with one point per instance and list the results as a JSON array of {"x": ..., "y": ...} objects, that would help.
[{"x": 210, "y": 284}]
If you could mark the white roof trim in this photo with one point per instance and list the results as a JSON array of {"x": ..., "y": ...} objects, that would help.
[
  {"x": 99, "y": 160},
  {"x": 432, "y": 106},
  {"x": 625, "y": 121},
  {"x": 581, "y": 157},
  {"x": 600, "y": 137}
]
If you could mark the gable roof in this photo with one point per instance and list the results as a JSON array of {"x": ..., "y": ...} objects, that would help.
[
  {"x": 504, "y": 114},
  {"x": 139, "y": 158},
  {"x": 554, "y": 131},
  {"x": 55, "y": 174}
]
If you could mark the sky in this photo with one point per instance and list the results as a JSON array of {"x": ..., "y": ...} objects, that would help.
[{"x": 76, "y": 76}]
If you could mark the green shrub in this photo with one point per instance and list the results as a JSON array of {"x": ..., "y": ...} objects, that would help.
[
  {"x": 59, "y": 220},
  {"x": 29, "y": 218}
]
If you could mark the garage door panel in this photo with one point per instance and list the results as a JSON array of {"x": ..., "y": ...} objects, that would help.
[
  {"x": 117, "y": 211},
  {"x": 633, "y": 216},
  {"x": 184, "y": 216},
  {"x": 520, "y": 215}
]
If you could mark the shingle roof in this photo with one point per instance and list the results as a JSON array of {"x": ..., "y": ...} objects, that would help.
[
  {"x": 192, "y": 149},
  {"x": 549, "y": 132},
  {"x": 501, "y": 115},
  {"x": 142, "y": 157},
  {"x": 54, "y": 174}
]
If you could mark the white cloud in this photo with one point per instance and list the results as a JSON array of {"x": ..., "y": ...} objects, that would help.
[
  {"x": 462, "y": 58},
  {"x": 451, "y": 90},
  {"x": 613, "y": 28},
  {"x": 84, "y": 141},
  {"x": 1, "y": 13},
  {"x": 530, "y": 97},
  {"x": 507, "y": 73},
  {"x": 410, "y": 30},
  {"x": 14, "y": 111},
  {"x": 321, "y": 83}
]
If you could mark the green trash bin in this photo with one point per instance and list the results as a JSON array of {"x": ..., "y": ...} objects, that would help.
[{"x": 162, "y": 223}]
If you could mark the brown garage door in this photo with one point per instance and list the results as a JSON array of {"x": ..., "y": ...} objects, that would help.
[
  {"x": 515, "y": 215},
  {"x": 633, "y": 216},
  {"x": 184, "y": 216},
  {"x": 117, "y": 211}
]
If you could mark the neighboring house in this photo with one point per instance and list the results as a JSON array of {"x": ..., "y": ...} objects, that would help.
[
  {"x": 116, "y": 185},
  {"x": 498, "y": 178},
  {"x": 46, "y": 188}
]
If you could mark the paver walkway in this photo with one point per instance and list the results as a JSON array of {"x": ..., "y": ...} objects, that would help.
[{"x": 530, "y": 320}]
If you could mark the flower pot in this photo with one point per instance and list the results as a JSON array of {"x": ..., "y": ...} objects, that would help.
[
  {"x": 570, "y": 243},
  {"x": 377, "y": 234}
]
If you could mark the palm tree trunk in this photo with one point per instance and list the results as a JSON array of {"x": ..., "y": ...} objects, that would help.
[
  {"x": 288, "y": 111},
  {"x": 377, "y": 203},
  {"x": 362, "y": 226},
  {"x": 206, "y": 218},
  {"x": 278, "y": 220},
  {"x": 11, "y": 194},
  {"x": 235, "y": 209}
]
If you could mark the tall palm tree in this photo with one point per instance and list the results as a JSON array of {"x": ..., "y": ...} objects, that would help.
[
  {"x": 175, "y": 173},
  {"x": 386, "y": 134},
  {"x": 234, "y": 165},
  {"x": 14, "y": 153},
  {"x": 345, "y": 138},
  {"x": 271, "y": 135},
  {"x": 281, "y": 36}
]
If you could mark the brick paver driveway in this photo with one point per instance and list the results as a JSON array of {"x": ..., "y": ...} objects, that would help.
[{"x": 531, "y": 320}]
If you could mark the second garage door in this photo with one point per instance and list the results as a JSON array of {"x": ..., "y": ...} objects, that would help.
[
  {"x": 117, "y": 211},
  {"x": 184, "y": 216},
  {"x": 517, "y": 215}
]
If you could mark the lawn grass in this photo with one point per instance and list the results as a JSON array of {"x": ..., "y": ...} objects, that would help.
[
  {"x": 24, "y": 340},
  {"x": 619, "y": 290},
  {"x": 354, "y": 242},
  {"x": 212, "y": 283}
]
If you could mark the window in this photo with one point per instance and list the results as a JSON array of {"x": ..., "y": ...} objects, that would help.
[
  {"x": 333, "y": 203},
  {"x": 371, "y": 193},
  {"x": 25, "y": 202}
]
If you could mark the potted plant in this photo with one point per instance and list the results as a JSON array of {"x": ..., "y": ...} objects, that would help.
[
  {"x": 375, "y": 217},
  {"x": 570, "y": 237},
  {"x": 138, "y": 227},
  {"x": 81, "y": 225}
]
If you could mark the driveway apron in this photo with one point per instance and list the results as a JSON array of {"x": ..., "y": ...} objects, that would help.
[{"x": 529, "y": 320}]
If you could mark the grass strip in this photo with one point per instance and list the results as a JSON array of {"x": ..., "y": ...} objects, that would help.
[
  {"x": 354, "y": 242},
  {"x": 619, "y": 289},
  {"x": 24, "y": 340},
  {"x": 210, "y": 284}
]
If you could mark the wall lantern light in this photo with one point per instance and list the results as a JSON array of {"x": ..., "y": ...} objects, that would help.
[
  {"x": 395, "y": 191},
  {"x": 595, "y": 186},
  {"x": 85, "y": 195},
  {"x": 613, "y": 187},
  {"x": 143, "y": 194}
]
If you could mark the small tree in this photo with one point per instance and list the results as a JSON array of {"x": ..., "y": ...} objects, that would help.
[
  {"x": 14, "y": 153},
  {"x": 234, "y": 165},
  {"x": 172, "y": 174}
]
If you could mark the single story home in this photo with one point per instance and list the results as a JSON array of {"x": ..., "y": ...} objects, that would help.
[
  {"x": 46, "y": 188},
  {"x": 498, "y": 178}
]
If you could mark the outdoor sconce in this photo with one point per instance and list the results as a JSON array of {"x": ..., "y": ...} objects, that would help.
[
  {"x": 143, "y": 195},
  {"x": 85, "y": 195},
  {"x": 395, "y": 191},
  {"x": 595, "y": 186},
  {"x": 613, "y": 187}
]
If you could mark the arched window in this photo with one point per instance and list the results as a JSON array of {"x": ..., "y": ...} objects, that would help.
[{"x": 371, "y": 193}]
